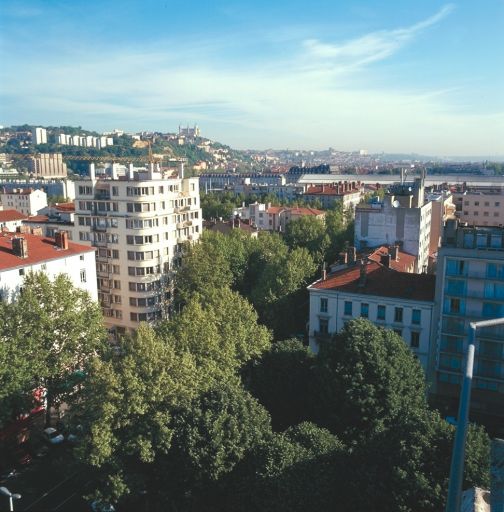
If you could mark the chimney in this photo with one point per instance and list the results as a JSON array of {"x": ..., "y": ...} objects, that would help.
[
  {"x": 362, "y": 273},
  {"x": 385, "y": 260},
  {"x": 20, "y": 247},
  {"x": 181, "y": 170},
  {"x": 131, "y": 172},
  {"x": 61, "y": 239},
  {"x": 352, "y": 254},
  {"x": 23, "y": 229},
  {"x": 92, "y": 171},
  {"x": 113, "y": 172},
  {"x": 37, "y": 231},
  {"x": 343, "y": 258},
  {"x": 394, "y": 252},
  {"x": 324, "y": 271},
  {"x": 497, "y": 475}
]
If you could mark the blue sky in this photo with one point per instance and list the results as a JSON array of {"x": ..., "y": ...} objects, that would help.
[{"x": 395, "y": 76}]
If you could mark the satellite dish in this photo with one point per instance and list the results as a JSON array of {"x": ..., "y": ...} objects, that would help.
[{"x": 396, "y": 204}]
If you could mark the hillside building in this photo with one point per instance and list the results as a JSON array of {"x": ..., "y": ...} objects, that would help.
[{"x": 26, "y": 201}]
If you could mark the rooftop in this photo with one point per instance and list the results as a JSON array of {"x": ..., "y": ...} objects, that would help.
[
  {"x": 11, "y": 215},
  {"x": 380, "y": 281},
  {"x": 294, "y": 211},
  {"x": 403, "y": 262},
  {"x": 333, "y": 189},
  {"x": 40, "y": 249}
]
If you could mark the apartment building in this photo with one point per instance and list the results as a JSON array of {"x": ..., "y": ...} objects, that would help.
[
  {"x": 10, "y": 220},
  {"x": 347, "y": 193},
  {"x": 39, "y": 136},
  {"x": 47, "y": 165},
  {"x": 402, "y": 218},
  {"x": 480, "y": 208},
  {"x": 25, "y": 251},
  {"x": 470, "y": 287},
  {"x": 400, "y": 301},
  {"x": 139, "y": 223},
  {"x": 27, "y": 201}
]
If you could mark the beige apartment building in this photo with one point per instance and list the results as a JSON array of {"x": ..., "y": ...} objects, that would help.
[
  {"x": 139, "y": 224},
  {"x": 481, "y": 208},
  {"x": 48, "y": 165}
]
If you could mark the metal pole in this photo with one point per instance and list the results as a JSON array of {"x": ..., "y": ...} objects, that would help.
[
  {"x": 11, "y": 503},
  {"x": 457, "y": 463}
]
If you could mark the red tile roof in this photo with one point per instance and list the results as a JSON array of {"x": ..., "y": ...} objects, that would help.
[
  {"x": 380, "y": 281},
  {"x": 37, "y": 218},
  {"x": 272, "y": 210},
  {"x": 330, "y": 190},
  {"x": 11, "y": 215},
  {"x": 404, "y": 262},
  {"x": 40, "y": 249},
  {"x": 65, "y": 207}
]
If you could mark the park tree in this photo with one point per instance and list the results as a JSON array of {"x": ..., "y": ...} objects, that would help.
[
  {"x": 283, "y": 381},
  {"x": 300, "y": 469},
  {"x": 126, "y": 409},
  {"x": 59, "y": 327},
  {"x": 219, "y": 329},
  {"x": 308, "y": 232}
]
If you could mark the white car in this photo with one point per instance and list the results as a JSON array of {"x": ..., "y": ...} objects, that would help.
[{"x": 53, "y": 436}]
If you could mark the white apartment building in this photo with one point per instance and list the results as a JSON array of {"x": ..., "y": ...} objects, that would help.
[
  {"x": 25, "y": 252},
  {"x": 347, "y": 193},
  {"x": 402, "y": 218},
  {"x": 27, "y": 201},
  {"x": 139, "y": 223},
  {"x": 394, "y": 300},
  {"x": 480, "y": 208},
  {"x": 39, "y": 136}
]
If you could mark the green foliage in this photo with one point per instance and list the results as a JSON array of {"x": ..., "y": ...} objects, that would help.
[
  {"x": 57, "y": 328},
  {"x": 283, "y": 381},
  {"x": 310, "y": 233},
  {"x": 219, "y": 330},
  {"x": 293, "y": 471}
]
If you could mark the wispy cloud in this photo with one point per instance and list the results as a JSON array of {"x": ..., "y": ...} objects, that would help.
[{"x": 371, "y": 47}]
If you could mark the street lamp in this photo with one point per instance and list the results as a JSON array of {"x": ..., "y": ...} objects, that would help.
[
  {"x": 12, "y": 497},
  {"x": 457, "y": 462}
]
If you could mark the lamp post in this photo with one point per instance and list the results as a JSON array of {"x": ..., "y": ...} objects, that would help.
[
  {"x": 12, "y": 497},
  {"x": 457, "y": 463}
]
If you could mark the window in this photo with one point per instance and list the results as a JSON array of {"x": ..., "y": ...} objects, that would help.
[
  {"x": 380, "y": 315},
  {"x": 323, "y": 305},
  {"x": 398, "y": 332},
  {"x": 348, "y": 308},
  {"x": 416, "y": 316},
  {"x": 364, "y": 310},
  {"x": 456, "y": 267},
  {"x": 476, "y": 203},
  {"x": 83, "y": 276},
  {"x": 21, "y": 271},
  {"x": 323, "y": 326},
  {"x": 398, "y": 315},
  {"x": 415, "y": 339}
]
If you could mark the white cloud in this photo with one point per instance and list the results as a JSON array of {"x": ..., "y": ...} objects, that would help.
[{"x": 371, "y": 47}]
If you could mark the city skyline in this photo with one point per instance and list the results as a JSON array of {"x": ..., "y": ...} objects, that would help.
[{"x": 396, "y": 78}]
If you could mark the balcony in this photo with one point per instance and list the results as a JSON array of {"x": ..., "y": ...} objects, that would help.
[{"x": 102, "y": 195}]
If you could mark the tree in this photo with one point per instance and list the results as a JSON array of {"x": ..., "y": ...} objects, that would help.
[
  {"x": 212, "y": 433},
  {"x": 219, "y": 330},
  {"x": 301, "y": 469},
  {"x": 126, "y": 410},
  {"x": 310, "y": 233},
  {"x": 283, "y": 381},
  {"x": 62, "y": 324}
]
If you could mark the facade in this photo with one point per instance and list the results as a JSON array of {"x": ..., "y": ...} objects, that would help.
[
  {"x": 443, "y": 209},
  {"x": 345, "y": 192},
  {"x": 470, "y": 287},
  {"x": 27, "y": 201},
  {"x": 25, "y": 252},
  {"x": 48, "y": 165},
  {"x": 39, "y": 136},
  {"x": 402, "y": 218},
  {"x": 139, "y": 224},
  {"x": 484, "y": 208},
  {"x": 399, "y": 301},
  {"x": 51, "y": 219},
  {"x": 52, "y": 187},
  {"x": 10, "y": 220}
]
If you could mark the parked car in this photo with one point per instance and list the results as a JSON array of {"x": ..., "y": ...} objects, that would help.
[{"x": 53, "y": 436}]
